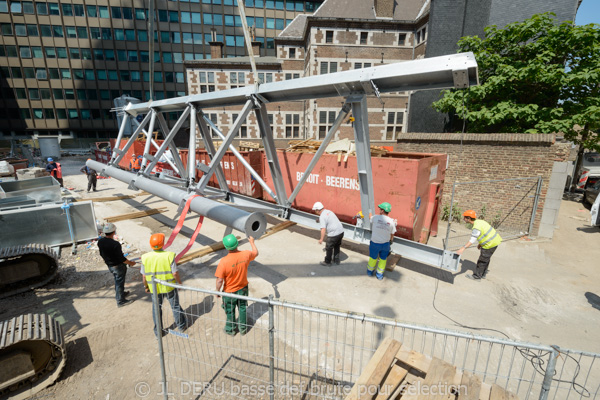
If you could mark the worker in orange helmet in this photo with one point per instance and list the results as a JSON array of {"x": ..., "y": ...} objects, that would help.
[
  {"x": 161, "y": 265},
  {"x": 487, "y": 240},
  {"x": 92, "y": 176}
]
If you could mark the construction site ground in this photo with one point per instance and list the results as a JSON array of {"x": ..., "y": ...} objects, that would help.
[{"x": 541, "y": 291}]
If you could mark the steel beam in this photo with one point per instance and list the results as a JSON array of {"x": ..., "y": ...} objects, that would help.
[
  {"x": 270, "y": 151},
  {"x": 148, "y": 139},
  {"x": 252, "y": 224},
  {"x": 428, "y": 73},
  {"x": 362, "y": 142},
  {"x": 405, "y": 248}
]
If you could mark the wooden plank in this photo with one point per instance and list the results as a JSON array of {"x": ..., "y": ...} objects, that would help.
[
  {"x": 484, "y": 393},
  {"x": 470, "y": 386},
  {"x": 111, "y": 198},
  {"x": 375, "y": 370},
  {"x": 391, "y": 382},
  {"x": 438, "y": 381},
  {"x": 202, "y": 252},
  {"x": 277, "y": 228},
  {"x": 416, "y": 360},
  {"x": 137, "y": 214},
  {"x": 498, "y": 393}
]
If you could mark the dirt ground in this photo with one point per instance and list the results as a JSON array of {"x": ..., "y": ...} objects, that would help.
[{"x": 541, "y": 291}]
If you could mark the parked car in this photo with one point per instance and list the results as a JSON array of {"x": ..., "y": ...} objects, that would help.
[
  {"x": 591, "y": 166},
  {"x": 591, "y": 192}
]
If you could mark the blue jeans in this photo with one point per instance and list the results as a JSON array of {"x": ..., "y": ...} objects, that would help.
[
  {"x": 178, "y": 314},
  {"x": 119, "y": 271}
]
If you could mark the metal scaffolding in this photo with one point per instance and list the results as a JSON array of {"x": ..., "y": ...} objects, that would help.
[{"x": 453, "y": 71}]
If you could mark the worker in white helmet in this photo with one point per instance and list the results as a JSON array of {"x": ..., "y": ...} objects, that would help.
[{"x": 330, "y": 225}]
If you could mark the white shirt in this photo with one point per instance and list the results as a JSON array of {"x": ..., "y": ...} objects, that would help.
[
  {"x": 474, "y": 235},
  {"x": 331, "y": 223},
  {"x": 382, "y": 228}
]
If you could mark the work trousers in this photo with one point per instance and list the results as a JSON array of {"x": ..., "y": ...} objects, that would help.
[
  {"x": 178, "y": 314},
  {"x": 91, "y": 182},
  {"x": 332, "y": 248},
  {"x": 229, "y": 305},
  {"x": 119, "y": 272},
  {"x": 484, "y": 261}
]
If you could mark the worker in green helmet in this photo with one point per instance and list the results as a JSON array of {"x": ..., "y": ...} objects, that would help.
[
  {"x": 232, "y": 277},
  {"x": 382, "y": 235}
]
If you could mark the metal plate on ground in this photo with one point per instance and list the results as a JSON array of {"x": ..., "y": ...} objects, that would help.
[
  {"x": 47, "y": 224},
  {"x": 42, "y": 190}
]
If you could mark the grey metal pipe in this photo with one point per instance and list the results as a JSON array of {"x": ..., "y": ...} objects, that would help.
[{"x": 252, "y": 224}]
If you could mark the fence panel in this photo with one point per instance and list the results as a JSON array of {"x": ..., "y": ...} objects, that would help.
[
  {"x": 509, "y": 205},
  {"x": 293, "y": 351}
]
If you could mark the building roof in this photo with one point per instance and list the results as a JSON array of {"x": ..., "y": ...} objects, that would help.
[{"x": 404, "y": 10}]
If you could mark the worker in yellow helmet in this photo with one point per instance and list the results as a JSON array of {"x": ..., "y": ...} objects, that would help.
[
  {"x": 382, "y": 234},
  {"x": 161, "y": 265},
  {"x": 488, "y": 240}
]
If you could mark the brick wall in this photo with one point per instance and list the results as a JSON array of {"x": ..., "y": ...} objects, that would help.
[{"x": 484, "y": 157}]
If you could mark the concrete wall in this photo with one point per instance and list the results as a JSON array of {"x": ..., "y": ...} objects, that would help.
[{"x": 484, "y": 157}]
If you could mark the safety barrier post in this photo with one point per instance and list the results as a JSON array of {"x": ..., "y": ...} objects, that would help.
[
  {"x": 550, "y": 370},
  {"x": 158, "y": 323},
  {"x": 271, "y": 349}
]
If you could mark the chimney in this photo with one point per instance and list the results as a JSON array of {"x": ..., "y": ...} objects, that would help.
[
  {"x": 216, "y": 50},
  {"x": 256, "y": 47},
  {"x": 384, "y": 8}
]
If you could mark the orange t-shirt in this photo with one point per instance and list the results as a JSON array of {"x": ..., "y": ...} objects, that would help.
[{"x": 233, "y": 269}]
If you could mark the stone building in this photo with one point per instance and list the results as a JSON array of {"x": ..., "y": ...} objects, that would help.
[{"x": 341, "y": 35}]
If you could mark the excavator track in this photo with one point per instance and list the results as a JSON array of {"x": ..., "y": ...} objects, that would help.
[
  {"x": 32, "y": 355},
  {"x": 26, "y": 267}
]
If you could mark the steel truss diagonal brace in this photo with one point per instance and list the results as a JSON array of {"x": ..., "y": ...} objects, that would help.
[
  {"x": 226, "y": 143},
  {"x": 245, "y": 163},
  {"x": 270, "y": 150},
  {"x": 118, "y": 154},
  {"x": 210, "y": 149},
  {"x": 173, "y": 149},
  {"x": 148, "y": 139},
  {"x": 313, "y": 162},
  {"x": 167, "y": 142}
]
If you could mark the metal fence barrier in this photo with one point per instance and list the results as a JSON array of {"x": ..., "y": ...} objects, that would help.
[
  {"x": 509, "y": 205},
  {"x": 293, "y": 351}
]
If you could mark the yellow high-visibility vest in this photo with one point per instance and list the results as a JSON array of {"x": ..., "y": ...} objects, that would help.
[
  {"x": 158, "y": 264},
  {"x": 488, "y": 237}
]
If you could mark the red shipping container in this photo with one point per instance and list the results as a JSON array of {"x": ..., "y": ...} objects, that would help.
[
  {"x": 238, "y": 177},
  {"x": 410, "y": 182}
]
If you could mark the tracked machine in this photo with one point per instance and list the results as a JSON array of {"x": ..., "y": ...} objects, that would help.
[{"x": 32, "y": 355}]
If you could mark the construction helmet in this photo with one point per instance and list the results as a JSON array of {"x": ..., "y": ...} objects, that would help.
[
  {"x": 470, "y": 214},
  {"x": 230, "y": 242},
  {"x": 133, "y": 155},
  {"x": 157, "y": 241},
  {"x": 50, "y": 159},
  {"x": 318, "y": 206},
  {"x": 109, "y": 228},
  {"x": 387, "y": 207}
]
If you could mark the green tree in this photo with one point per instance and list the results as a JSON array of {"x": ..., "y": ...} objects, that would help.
[{"x": 536, "y": 76}]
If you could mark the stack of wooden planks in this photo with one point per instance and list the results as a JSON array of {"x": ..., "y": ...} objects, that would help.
[
  {"x": 311, "y": 146},
  {"x": 398, "y": 373},
  {"x": 249, "y": 146}
]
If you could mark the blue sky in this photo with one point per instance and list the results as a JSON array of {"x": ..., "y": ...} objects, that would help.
[{"x": 589, "y": 11}]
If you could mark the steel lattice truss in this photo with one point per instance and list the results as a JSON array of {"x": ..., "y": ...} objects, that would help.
[{"x": 453, "y": 71}]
